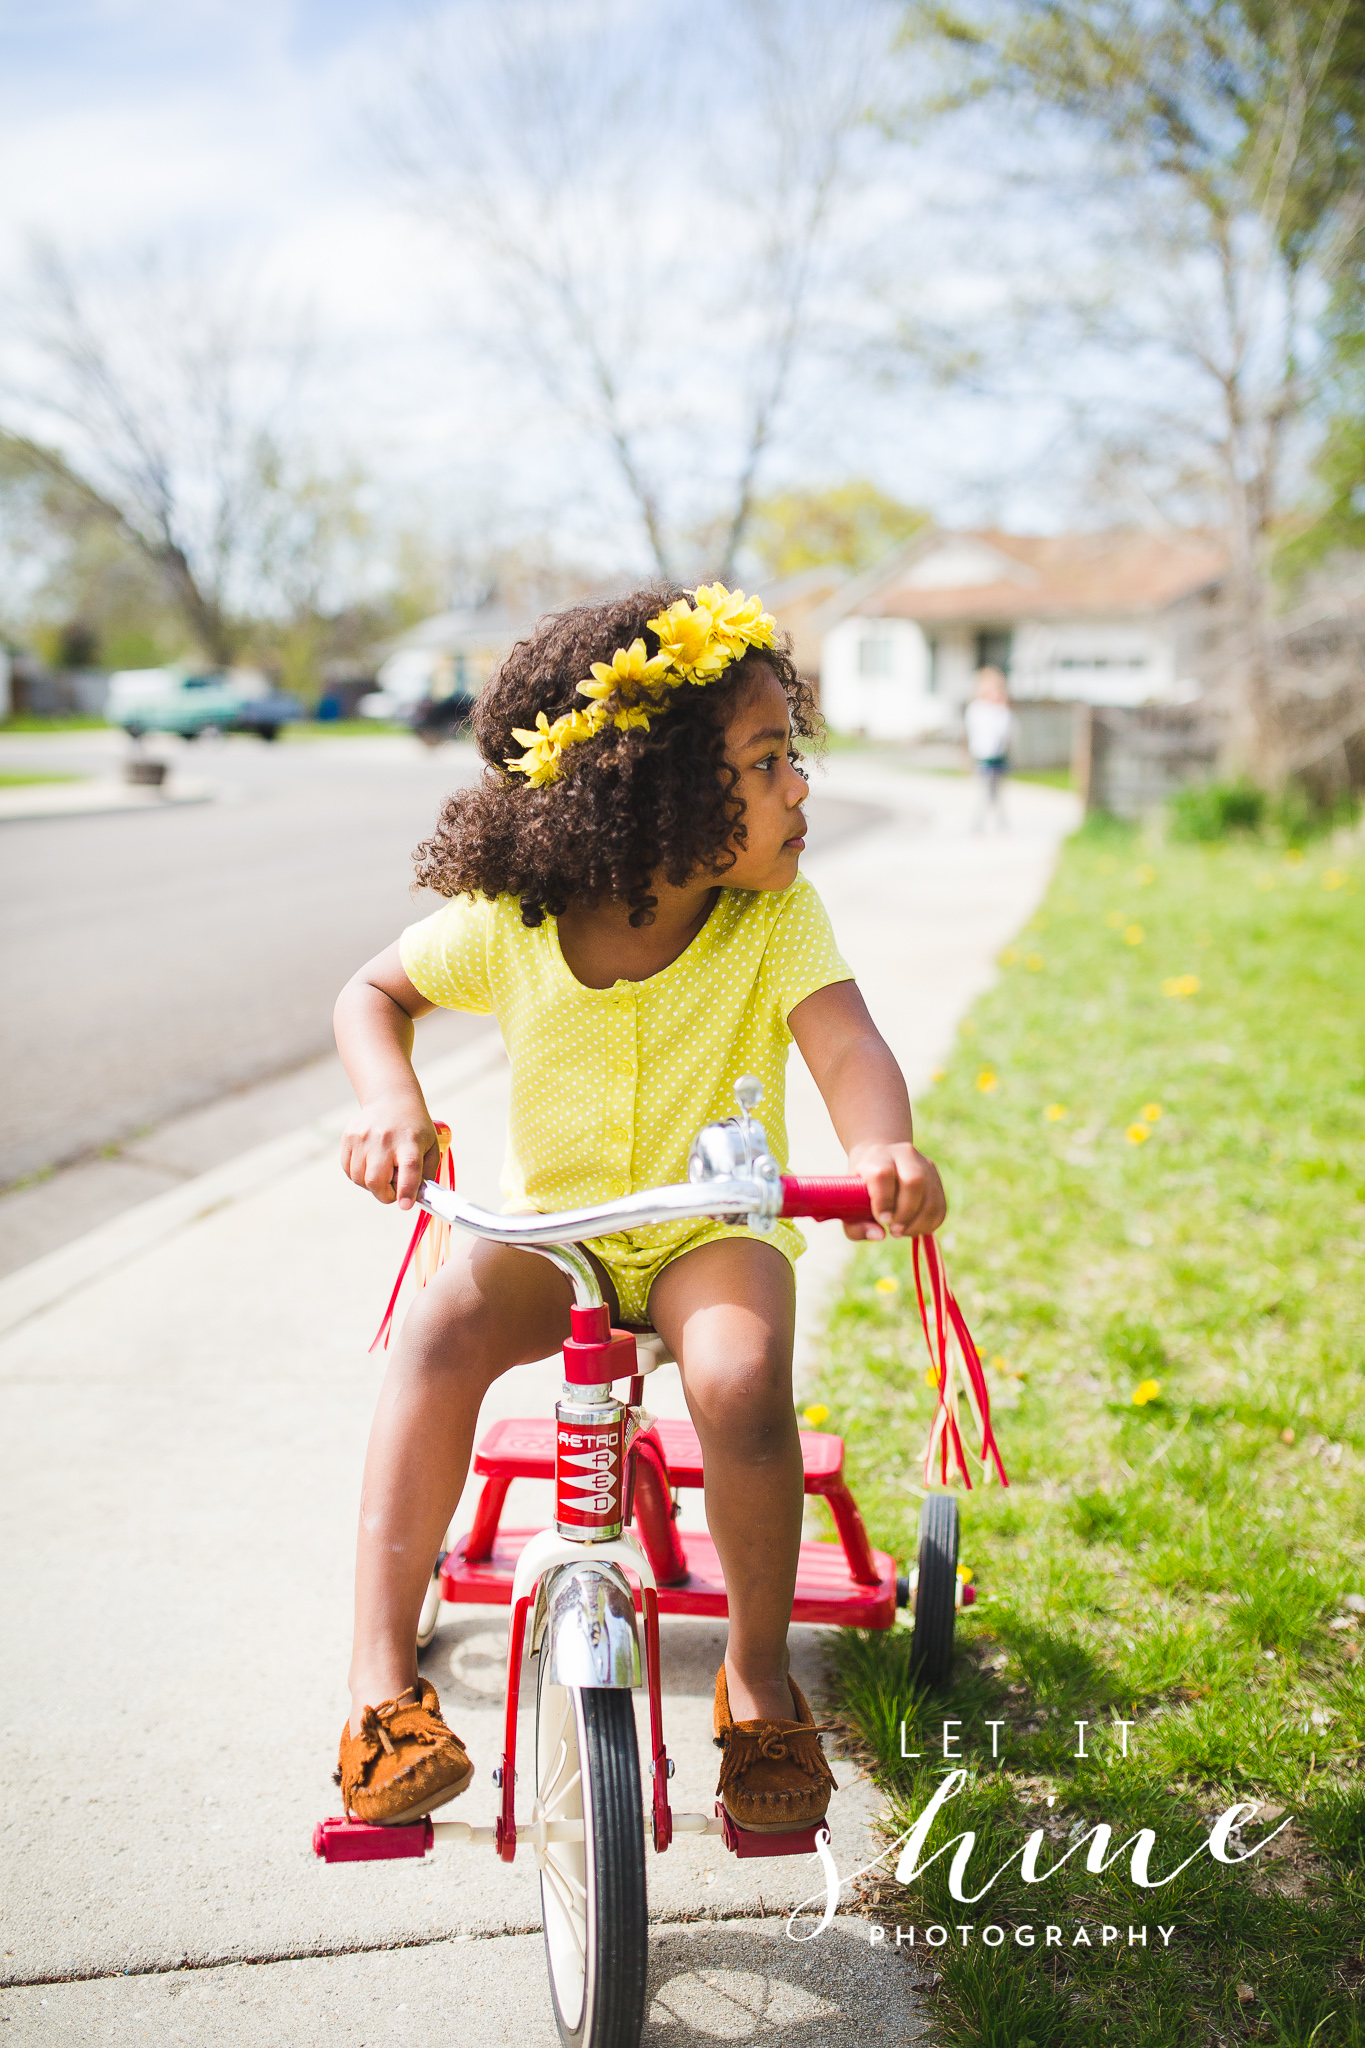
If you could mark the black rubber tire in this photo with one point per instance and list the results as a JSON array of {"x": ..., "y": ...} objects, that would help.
[
  {"x": 931, "y": 1646},
  {"x": 617, "y": 1913}
]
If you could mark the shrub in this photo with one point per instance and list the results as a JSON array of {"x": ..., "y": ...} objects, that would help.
[{"x": 1213, "y": 810}]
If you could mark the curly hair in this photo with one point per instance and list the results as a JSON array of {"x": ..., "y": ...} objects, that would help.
[{"x": 629, "y": 805}]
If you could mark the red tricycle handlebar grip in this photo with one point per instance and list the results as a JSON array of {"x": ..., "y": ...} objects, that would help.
[{"x": 826, "y": 1199}]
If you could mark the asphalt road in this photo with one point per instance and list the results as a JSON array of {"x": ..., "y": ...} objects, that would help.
[{"x": 156, "y": 962}]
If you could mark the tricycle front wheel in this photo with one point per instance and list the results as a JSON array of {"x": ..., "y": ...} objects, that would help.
[{"x": 592, "y": 1892}]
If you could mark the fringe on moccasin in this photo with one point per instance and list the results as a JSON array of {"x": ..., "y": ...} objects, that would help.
[{"x": 773, "y": 1774}]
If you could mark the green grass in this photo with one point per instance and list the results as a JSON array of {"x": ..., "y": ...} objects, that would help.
[
  {"x": 25, "y": 721},
  {"x": 22, "y": 780},
  {"x": 1175, "y": 1563},
  {"x": 1051, "y": 778},
  {"x": 339, "y": 729}
]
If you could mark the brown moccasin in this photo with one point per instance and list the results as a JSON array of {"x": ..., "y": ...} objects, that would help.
[
  {"x": 773, "y": 1774},
  {"x": 404, "y": 1761}
]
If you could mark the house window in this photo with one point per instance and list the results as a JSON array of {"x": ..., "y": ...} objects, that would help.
[{"x": 876, "y": 654}]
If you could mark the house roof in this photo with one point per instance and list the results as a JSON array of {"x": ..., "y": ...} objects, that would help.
[{"x": 987, "y": 576}]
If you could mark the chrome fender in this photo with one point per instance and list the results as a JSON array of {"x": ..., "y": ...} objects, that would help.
[{"x": 588, "y": 1611}]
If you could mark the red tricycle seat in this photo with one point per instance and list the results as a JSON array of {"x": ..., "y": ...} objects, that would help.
[{"x": 845, "y": 1583}]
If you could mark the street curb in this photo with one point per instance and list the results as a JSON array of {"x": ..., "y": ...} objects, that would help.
[
  {"x": 73, "y": 1266},
  {"x": 98, "y": 797}
]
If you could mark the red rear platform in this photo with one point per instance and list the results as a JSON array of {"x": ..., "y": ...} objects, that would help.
[{"x": 846, "y": 1584}]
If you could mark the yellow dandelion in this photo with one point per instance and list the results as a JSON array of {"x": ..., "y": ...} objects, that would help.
[
  {"x": 966, "y": 1574},
  {"x": 1147, "y": 1391},
  {"x": 815, "y": 1415},
  {"x": 888, "y": 1284},
  {"x": 1294, "y": 857},
  {"x": 1033, "y": 962},
  {"x": 1334, "y": 878},
  {"x": 931, "y": 1377},
  {"x": 1145, "y": 874},
  {"x": 1115, "y": 920},
  {"x": 988, "y": 1080},
  {"x": 1054, "y": 1112},
  {"x": 1009, "y": 956},
  {"x": 938, "y": 1073},
  {"x": 998, "y": 1363},
  {"x": 1133, "y": 935},
  {"x": 1180, "y": 986},
  {"x": 1137, "y": 1134},
  {"x": 1152, "y": 1112}
]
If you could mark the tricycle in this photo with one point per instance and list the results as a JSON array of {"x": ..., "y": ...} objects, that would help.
[{"x": 586, "y": 1594}]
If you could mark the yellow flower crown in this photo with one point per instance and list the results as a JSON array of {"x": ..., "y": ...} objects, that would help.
[{"x": 696, "y": 642}]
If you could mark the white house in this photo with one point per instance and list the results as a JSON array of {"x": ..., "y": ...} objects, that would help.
[{"x": 1121, "y": 618}]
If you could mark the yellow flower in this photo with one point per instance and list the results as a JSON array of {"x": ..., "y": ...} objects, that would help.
[
  {"x": 629, "y": 672},
  {"x": 1145, "y": 874},
  {"x": 1180, "y": 985},
  {"x": 1148, "y": 1391},
  {"x": 1334, "y": 878},
  {"x": 1133, "y": 935},
  {"x": 931, "y": 1377},
  {"x": 1054, "y": 1112},
  {"x": 1152, "y": 1112},
  {"x": 815, "y": 1415},
  {"x": 888, "y": 1284},
  {"x": 1294, "y": 857},
  {"x": 540, "y": 763},
  {"x": 988, "y": 1080},
  {"x": 687, "y": 642},
  {"x": 737, "y": 621},
  {"x": 938, "y": 1073},
  {"x": 1033, "y": 962},
  {"x": 1115, "y": 920},
  {"x": 966, "y": 1574},
  {"x": 1137, "y": 1134},
  {"x": 1009, "y": 956}
]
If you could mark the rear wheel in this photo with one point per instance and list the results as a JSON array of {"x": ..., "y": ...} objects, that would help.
[
  {"x": 592, "y": 1892},
  {"x": 931, "y": 1647}
]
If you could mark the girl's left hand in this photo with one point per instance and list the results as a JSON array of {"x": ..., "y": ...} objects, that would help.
[{"x": 907, "y": 1194}]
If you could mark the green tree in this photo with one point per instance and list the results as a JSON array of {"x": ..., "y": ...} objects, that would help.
[
  {"x": 1223, "y": 144},
  {"x": 852, "y": 524}
]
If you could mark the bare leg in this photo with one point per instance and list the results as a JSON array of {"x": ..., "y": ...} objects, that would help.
[
  {"x": 490, "y": 1308},
  {"x": 728, "y": 1310}
]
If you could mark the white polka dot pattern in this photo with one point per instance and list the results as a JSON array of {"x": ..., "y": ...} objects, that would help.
[{"x": 609, "y": 1086}]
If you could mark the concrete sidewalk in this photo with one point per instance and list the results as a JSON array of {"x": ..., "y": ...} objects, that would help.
[{"x": 185, "y": 1409}]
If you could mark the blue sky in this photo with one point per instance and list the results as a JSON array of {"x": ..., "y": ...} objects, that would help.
[{"x": 246, "y": 127}]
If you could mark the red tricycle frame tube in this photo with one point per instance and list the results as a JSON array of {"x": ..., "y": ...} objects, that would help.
[{"x": 507, "y": 1819}]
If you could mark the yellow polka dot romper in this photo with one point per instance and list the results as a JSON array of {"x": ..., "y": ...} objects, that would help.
[{"x": 610, "y": 1086}]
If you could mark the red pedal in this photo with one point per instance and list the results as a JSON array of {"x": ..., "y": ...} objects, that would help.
[
  {"x": 744, "y": 1842},
  {"x": 363, "y": 1841}
]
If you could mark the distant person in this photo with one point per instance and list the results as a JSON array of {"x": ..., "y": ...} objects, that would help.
[{"x": 988, "y": 720}]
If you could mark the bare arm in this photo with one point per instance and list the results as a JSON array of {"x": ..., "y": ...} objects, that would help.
[
  {"x": 389, "y": 1146},
  {"x": 865, "y": 1093}
]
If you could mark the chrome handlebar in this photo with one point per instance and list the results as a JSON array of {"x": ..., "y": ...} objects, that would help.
[
  {"x": 731, "y": 1199},
  {"x": 731, "y": 1175}
]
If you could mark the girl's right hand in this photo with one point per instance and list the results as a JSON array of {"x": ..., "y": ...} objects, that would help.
[{"x": 390, "y": 1147}]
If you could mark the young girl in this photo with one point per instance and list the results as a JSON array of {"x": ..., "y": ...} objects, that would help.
[{"x": 624, "y": 898}]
